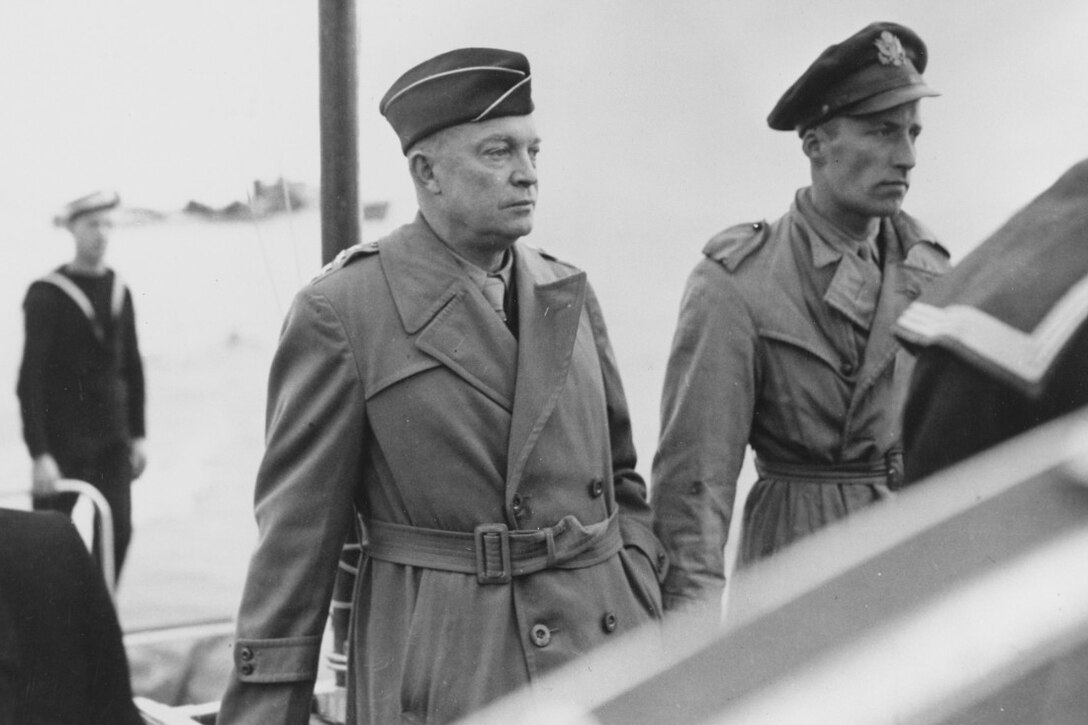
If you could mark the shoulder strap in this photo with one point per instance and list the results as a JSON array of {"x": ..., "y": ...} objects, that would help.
[
  {"x": 732, "y": 246},
  {"x": 346, "y": 256}
]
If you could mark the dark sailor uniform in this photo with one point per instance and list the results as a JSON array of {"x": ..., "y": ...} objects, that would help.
[
  {"x": 1003, "y": 342},
  {"x": 81, "y": 387}
]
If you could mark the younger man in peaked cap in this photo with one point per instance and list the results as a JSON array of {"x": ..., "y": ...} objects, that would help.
[
  {"x": 784, "y": 340},
  {"x": 480, "y": 436}
]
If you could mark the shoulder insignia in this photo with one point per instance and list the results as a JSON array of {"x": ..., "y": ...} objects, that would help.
[
  {"x": 346, "y": 257},
  {"x": 914, "y": 231},
  {"x": 928, "y": 255},
  {"x": 733, "y": 245}
]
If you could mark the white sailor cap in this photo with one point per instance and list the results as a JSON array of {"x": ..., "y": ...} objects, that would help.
[{"x": 96, "y": 201}]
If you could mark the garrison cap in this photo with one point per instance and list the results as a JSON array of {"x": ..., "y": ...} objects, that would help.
[
  {"x": 96, "y": 201},
  {"x": 460, "y": 86},
  {"x": 875, "y": 69}
]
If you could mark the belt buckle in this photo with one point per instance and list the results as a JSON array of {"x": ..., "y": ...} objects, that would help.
[
  {"x": 893, "y": 462},
  {"x": 491, "y": 534}
]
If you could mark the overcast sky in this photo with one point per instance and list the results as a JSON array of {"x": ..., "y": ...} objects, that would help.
[{"x": 653, "y": 113}]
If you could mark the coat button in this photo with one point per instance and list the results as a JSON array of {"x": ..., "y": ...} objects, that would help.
[
  {"x": 596, "y": 488},
  {"x": 515, "y": 503},
  {"x": 847, "y": 369},
  {"x": 662, "y": 560},
  {"x": 608, "y": 622},
  {"x": 247, "y": 668},
  {"x": 540, "y": 635},
  {"x": 246, "y": 654}
]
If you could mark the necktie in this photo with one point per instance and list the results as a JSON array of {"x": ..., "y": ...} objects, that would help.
[
  {"x": 495, "y": 292},
  {"x": 867, "y": 252}
]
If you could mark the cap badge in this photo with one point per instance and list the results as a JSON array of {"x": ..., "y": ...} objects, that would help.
[{"x": 889, "y": 49}]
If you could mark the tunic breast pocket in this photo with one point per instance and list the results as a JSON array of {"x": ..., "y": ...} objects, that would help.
[{"x": 805, "y": 390}]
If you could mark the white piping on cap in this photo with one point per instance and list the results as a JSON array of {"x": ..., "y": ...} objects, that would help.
[
  {"x": 502, "y": 98},
  {"x": 410, "y": 86}
]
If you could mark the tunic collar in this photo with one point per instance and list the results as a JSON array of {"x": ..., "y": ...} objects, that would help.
[
  {"x": 479, "y": 275},
  {"x": 830, "y": 243}
]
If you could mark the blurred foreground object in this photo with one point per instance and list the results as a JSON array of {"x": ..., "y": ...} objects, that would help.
[
  {"x": 1002, "y": 342},
  {"x": 962, "y": 601},
  {"x": 61, "y": 656}
]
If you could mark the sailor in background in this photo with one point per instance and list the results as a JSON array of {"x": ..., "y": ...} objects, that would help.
[
  {"x": 81, "y": 382},
  {"x": 454, "y": 389},
  {"x": 1002, "y": 340},
  {"x": 784, "y": 341}
]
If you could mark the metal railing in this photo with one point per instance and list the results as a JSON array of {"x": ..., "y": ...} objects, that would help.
[{"x": 102, "y": 526}]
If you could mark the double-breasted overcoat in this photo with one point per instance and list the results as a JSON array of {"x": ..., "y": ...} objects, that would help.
[
  {"x": 398, "y": 393},
  {"x": 784, "y": 343}
]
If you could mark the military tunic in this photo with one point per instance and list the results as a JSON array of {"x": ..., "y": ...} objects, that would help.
[{"x": 784, "y": 343}]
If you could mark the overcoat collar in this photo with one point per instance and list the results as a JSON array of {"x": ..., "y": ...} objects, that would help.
[
  {"x": 909, "y": 269},
  {"x": 909, "y": 266},
  {"x": 550, "y": 304},
  {"x": 446, "y": 313},
  {"x": 453, "y": 323}
]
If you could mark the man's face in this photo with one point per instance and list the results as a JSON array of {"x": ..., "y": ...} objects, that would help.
[
  {"x": 91, "y": 232},
  {"x": 487, "y": 175},
  {"x": 864, "y": 162}
]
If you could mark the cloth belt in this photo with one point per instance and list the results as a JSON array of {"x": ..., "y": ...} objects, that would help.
[
  {"x": 887, "y": 472},
  {"x": 493, "y": 552}
]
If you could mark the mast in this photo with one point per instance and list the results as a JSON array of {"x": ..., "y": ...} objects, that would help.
[{"x": 339, "y": 128}]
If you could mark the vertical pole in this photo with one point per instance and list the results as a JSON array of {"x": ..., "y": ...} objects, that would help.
[
  {"x": 339, "y": 222},
  {"x": 339, "y": 128}
]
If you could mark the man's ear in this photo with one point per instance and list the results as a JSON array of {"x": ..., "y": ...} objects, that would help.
[
  {"x": 812, "y": 146},
  {"x": 421, "y": 167}
]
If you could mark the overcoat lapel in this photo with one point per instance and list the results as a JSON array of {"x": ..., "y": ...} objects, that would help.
[
  {"x": 902, "y": 284},
  {"x": 447, "y": 313},
  {"x": 549, "y": 312}
]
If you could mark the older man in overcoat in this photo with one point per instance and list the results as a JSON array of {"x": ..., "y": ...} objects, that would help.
[
  {"x": 489, "y": 460},
  {"x": 785, "y": 342}
]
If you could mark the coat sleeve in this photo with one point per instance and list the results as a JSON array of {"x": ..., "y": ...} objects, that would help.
[
  {"x": 636, "y": 525},
  {"x": 304, "y": 506},
  {"x": 40, "y": 337},
  {"x": 706, "y": 415},
  {"x": 133, "y": 371}
]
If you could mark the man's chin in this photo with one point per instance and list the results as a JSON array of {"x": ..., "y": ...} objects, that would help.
[{"x": 521, "y": 229}]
